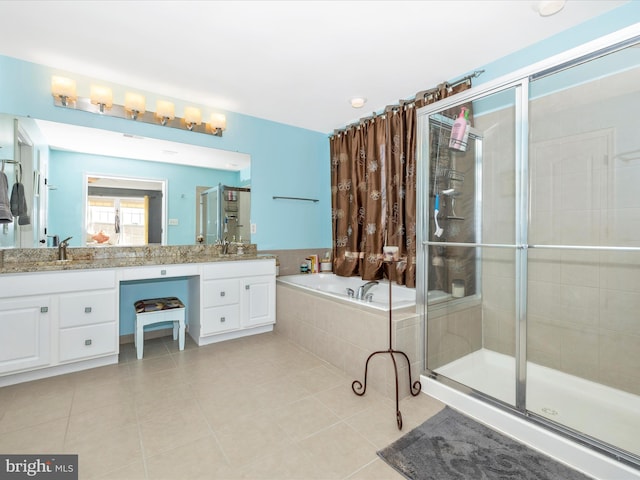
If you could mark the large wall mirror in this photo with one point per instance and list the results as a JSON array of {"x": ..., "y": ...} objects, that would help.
[{"x": 90, "y": 184}]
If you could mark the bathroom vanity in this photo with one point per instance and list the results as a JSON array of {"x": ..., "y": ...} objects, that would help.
[{"x": 59, "y": 317}]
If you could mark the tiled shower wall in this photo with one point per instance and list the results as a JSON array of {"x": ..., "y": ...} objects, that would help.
[{"x": 582, "y": 305}]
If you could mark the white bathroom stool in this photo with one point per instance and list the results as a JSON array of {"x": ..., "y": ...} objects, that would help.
[{"x": 158, "y": 310}]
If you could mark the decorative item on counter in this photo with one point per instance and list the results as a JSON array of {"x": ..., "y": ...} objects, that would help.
[
  {"x": 304, "y": 267},
  {"x": 313, "y": 263},
  {"x": 277, "y": 267},
  {"x": 460, "y": 131},
  {"x": 325, "y": 263},
  {"x": 457, "y": 288},
  {"x": 390, "y": 253}
]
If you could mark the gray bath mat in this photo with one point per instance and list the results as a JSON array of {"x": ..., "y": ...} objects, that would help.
[{"x": 451, "y": 446}]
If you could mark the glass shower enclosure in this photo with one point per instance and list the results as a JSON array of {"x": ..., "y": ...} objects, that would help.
[{"x": 529, "y": 268}]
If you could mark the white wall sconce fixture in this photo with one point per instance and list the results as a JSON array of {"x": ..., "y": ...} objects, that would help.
[
  {"x": 134, "y": 104},
  {"x": 100, "y": 101},
  {"x": 165, "y": 111},
  {"x": 63, "y": 89},
  {"x": 218, "y": 124},
  {"x": 101, "y": 96},
  {"x": 192, "y": 117}
]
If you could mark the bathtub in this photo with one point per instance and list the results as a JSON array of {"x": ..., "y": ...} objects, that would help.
[{"x": 336, "y": 287}]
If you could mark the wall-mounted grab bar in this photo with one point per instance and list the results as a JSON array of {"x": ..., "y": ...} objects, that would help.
[{"x": 297, "y": 198}]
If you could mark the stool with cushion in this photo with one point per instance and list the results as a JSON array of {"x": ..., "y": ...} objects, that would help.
[{"x": 158, "y": 310}]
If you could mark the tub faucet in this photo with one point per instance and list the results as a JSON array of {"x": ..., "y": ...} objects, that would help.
[
  {"x": 363, "y": 289},
  {"x": 62, "y": 248}
]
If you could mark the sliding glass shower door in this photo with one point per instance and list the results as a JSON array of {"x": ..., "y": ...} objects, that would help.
[
  {"x": 583, "y": 322},
  {"x": 530, "y": 235}
]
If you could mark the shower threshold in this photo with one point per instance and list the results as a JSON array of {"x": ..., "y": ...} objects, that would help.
[{"x": 602, "y": 412}]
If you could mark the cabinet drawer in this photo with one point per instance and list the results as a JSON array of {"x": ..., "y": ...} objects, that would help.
[
  {"x": 87, "y": 308},
  {"x": 220, "y": 292},
  {"x": 160, "y": 271},
  {"x": 84, "y": 342},
  {"x": 220, "y": 319},
  {"x": 239, "y": 268}
]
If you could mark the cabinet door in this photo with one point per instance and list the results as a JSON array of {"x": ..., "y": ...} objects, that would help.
[
  {"x": 25, "y": 334},
  {"x": 259, "y": 301}
]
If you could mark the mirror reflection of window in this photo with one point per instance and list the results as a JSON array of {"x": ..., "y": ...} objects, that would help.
[
  {"x": 117, "y": 220},
  {"x": 124, "y": 211}
]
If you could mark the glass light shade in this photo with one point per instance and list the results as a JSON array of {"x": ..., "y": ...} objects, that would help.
[
  {"x": 165, "y": 109},
  {"x": 101, "y": 96},
  {"x": 218, "y": 120},
  {"x": 63, "y": 87},
  {"x": 193, "y": 115},
  {"x": 134, "y": 102}
]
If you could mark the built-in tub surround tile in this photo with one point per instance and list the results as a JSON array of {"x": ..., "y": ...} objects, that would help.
[
  {"x": 345, "y": 336},
  {"x": 290, "y": 260},
  {"x": 453, "y": 333}
]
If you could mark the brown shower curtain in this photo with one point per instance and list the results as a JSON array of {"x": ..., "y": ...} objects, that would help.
[{"x": 373, "y": 190}]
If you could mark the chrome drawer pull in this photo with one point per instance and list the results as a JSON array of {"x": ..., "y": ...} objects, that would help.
[
  {"x": 87, "y": 309},
  {"x": 44, "y": 309},
  {"x": 222, "y": 294},
  {"x": 222, "y": 319},
  {"x": 87, "y": 342}
]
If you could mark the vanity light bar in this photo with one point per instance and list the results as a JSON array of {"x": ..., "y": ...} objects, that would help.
[{"x": 135, "y": 110}]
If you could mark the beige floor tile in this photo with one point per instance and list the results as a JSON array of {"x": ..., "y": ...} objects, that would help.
[
  {"x": 280, "y": 392},
  {"x": 338, "y": 451},
  {"x": 304, "y": 418},
  {"x": 200, "y": 459},
  {"x": 26, "y": 410},
  {"x": 378, "y": 424},
  {"x": 317, "y": 379},
  {"x": 46, "y": 437},
  {"x": 132, "y": 471},
  {"x": 172, "y": 427},
  {"x": 91, "y": 395},
  {"x": 253, "y": 408},
  {"x": 249, "y": 438},
  {"x": 344, "y": 403},
  {"x": 102, "y": 451},
  {"x": 376, "y": 470},
  {"x": 290, "y": 464},
  {"x": 101, "y": 420}
]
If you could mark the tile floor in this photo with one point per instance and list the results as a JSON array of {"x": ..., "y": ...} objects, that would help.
[{"x": 253, "y": 408}]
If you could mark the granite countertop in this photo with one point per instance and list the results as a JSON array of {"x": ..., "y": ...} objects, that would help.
[{"x": 20, "y": 260}]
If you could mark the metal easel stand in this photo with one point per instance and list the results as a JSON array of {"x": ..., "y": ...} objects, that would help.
[{"x": 360, "y": 389}]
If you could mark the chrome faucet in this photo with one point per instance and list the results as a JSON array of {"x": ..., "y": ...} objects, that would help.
[
  {"x": 363, "y": 289},
  {"x": 62, "y": 248}
]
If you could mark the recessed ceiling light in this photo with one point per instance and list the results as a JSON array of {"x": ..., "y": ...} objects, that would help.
[
  {"x": 358, "y": 102},
  {"x": 546, "y": 8}
]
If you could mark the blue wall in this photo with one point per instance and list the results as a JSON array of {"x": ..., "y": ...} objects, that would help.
[
  {"x": 285, "y": 160},
  {"x": 66, "y": 173}
]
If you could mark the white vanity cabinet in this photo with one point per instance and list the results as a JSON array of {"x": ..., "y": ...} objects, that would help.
[
  {"x": 238, "y": 299},
  {"x": 25, "y": 333},
  {"x": 51, "y": 322}
]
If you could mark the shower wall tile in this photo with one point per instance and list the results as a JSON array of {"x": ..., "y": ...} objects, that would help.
[
  {"x": 580, "y": 268},
  {"x": 579, "y": 352},
  {"x": 620, "y": 270},
  {"x": 620, "y": 359},
  {"x": 619, "y": 312},
  {"x": 543, "y": 343}
]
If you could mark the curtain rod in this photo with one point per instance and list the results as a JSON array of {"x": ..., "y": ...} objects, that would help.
[{"x": 411, "y": 101}]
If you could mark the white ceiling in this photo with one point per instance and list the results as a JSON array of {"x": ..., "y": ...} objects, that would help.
[{"x": 294, "y": 62}]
